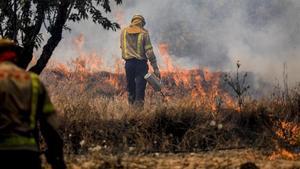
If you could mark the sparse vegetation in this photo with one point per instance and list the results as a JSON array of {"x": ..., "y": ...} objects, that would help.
[{"x": 238, "y": 84}]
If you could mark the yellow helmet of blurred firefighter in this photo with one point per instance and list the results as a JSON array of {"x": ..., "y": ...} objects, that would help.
[
  {"x": 138, "y": 19},
  {"x": 9, "y": 50}
]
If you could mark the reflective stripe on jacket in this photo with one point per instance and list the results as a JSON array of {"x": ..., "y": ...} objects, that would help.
[
  {"x": 135, "y": 45},
  {"x": 22, "y": 100}
]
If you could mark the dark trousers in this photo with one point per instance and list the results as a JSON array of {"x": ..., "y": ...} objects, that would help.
[
  {"x": 136, "y": 84},
  {"x": 17, "y": 159}
]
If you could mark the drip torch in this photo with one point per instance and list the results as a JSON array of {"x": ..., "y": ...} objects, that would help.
[{"x": 154, "y": 82}]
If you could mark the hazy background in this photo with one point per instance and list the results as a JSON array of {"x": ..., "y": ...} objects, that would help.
[{"x": 262, "y": 34}]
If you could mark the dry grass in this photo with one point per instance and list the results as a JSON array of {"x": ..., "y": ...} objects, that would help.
[
  {"x": 97, "y": 116},
  {"x": 232, "y": 159}
]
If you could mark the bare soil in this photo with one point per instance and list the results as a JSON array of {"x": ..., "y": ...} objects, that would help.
[{"x": 226, "y": 159}]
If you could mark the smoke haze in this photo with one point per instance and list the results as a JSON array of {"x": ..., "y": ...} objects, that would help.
[{"x": 262, "y": 34}]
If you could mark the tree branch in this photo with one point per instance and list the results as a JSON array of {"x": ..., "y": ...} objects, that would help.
[
  {"x": 56, "y": 35},
  {"x": 31, "y": 33},
  {"x": 8, "y": 11}
]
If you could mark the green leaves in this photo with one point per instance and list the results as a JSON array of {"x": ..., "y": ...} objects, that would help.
[
  {"x": 83, "y": 10},
  {"x": 23, "y": 20},
  {"x": 99, "y": 19}
]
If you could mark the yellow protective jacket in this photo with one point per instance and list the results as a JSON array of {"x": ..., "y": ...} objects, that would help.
[
  {"x": 135, "y": 43},
  {"x": 23, "y": 100}
]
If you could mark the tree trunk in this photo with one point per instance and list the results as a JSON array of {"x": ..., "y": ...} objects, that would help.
[
  {"x": 56, "y": 35},
  {"x": 31, "y": 32}
]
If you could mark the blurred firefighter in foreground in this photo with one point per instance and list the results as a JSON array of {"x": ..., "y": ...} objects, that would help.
[
  {"x": 136, "y": 51},
  {"x": 24, "y": 104}
]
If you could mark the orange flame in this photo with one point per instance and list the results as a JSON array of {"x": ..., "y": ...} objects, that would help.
[
  {"x": 201, "y": 85},
  {"x": 164, "y": 53},
  {"x": 283, "y": 154},
  {"x": 293, "y": 130}
]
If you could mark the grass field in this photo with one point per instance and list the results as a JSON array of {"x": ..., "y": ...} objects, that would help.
[{"x": 198, "y": 125}]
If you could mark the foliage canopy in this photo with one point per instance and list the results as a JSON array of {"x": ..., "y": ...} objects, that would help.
[{"x": 24, "y": 21}]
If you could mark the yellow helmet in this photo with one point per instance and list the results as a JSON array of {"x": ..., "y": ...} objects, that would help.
[
  {"x": 8, "y": 44},
  {"x": 9, "y": 50},
  {"x": 139, "y": 17}
]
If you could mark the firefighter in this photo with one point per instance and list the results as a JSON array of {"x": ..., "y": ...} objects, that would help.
[
  {"x": 25, "y": 105},
  {"x": 136, "y": 51}
]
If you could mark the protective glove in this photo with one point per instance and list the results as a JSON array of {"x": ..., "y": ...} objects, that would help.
[{"x": 157, "y": 73}]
